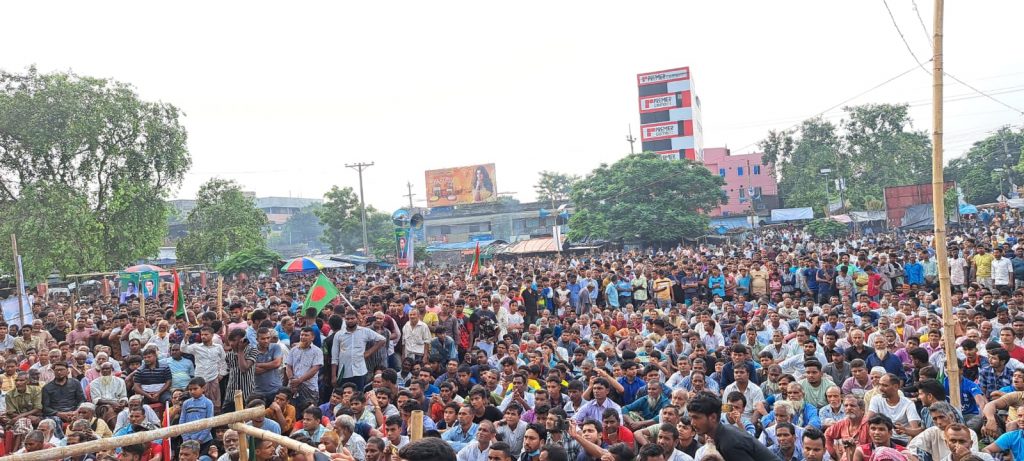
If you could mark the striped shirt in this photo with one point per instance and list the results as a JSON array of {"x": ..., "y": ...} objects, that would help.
[
  {"x": 152, "y": 379},
  {"x": 238, "y": 379},
  {"x": 301, "y": 360}
]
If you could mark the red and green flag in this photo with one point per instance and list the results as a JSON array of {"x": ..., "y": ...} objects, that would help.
[
  {"x": 475, "y": 268},
  {"x": 321, "y": 293},
  {"x": 178, "y": 297}
]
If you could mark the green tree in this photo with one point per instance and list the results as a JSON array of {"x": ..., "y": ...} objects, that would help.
[
  {"x": 303, "y": 228},
  {"x": 249, "y": 261},
  {"x": 975, "y": 172},
  {"x": 224, "y": 221},
  {"x": 554, "y": 187},
  {"x": 646, "y": 198},
  {"x": 102, "y": 160},
  {"x": 339, "y": 210},
  {"x": 873, "y": 147},
  {"x": 826, "y": 228}
]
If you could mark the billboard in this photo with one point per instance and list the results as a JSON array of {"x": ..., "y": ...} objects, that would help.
[{"x": 461, "y": 185}]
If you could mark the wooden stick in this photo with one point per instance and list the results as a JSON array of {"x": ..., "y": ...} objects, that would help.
[
  {"x": 281, "y": 440},
  {"x": 220, "y": 295},
  {"x": 939, "y": 213},
  {"x": 416, "y": 425},
  {"x": 243, "y": 443},
  {"x": 97, "y": 446}
]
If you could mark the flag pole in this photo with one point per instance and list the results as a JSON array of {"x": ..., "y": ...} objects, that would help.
[
  {"x": 939, "y": 212},
  {"x": 20, "y": 279}
]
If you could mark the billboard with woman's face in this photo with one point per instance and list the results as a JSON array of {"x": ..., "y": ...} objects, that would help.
[{"x": 461, "y": 185}]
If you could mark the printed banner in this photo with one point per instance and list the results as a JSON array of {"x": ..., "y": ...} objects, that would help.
[
  {"x": 403, "y": 247},
  {"x": 461, "y": 185}
]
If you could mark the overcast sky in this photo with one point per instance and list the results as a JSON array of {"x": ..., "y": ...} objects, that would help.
[{"x": 280, "y": 96}]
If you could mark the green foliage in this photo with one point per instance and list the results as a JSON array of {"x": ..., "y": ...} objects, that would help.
[
  {"x": 872, "y": 148},
  {"x": 85, "y": 167},
  {"x": 644, "y": 197},
  {"x": 554, "y": 187},
  {"x": 342, "y": 224},
  {"x": 338, "y": 214},
  {"x": 826, "y": 228},
  {"x": 224, "y": 221},
  {"x": 951, "y": 203},
  {"x": 975, "y": 171},
  {"x": 420, "y": 253},
  {"x": 250, "y": 261},
  {"x": 303, "y": 228}
]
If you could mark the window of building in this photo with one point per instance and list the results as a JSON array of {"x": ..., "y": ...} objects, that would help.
[
  {"x": 757, "y": 169},
  {"x": 739, "y": 171},
  {"x": 743, "y": 193},
  {"x": 721, "y": 172},
  {"x": 757, "y": 191},
  {"x": 474, "y": 228}
]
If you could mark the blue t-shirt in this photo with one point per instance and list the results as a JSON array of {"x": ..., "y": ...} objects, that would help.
[
  {"x": 968, "y": 390},
  {"x": 1012, "y": 441}
]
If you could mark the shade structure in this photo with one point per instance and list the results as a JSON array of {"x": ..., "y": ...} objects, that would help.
[{"x": 301, "y": 265}]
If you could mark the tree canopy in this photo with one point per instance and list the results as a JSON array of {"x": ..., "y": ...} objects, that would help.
[
  {"x": 85, "y": 168},
  {"x": 976, "y": 172},
  {"x": 554, "y": 187},
  {"x": 224, "y": 221},
  {"x": 249, "y": 261},
  {"x": 338, "y": 214},
  {"x": 873, "y": 147},
  {"x": 643, "y": 197}
]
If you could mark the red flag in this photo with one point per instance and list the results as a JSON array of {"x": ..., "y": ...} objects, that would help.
[
  {"x": 475, "y": 269},
  {"x": 165, "y": 447}
]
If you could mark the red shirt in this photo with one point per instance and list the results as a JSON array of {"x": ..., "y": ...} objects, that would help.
[{"x": 625, "y": 436}]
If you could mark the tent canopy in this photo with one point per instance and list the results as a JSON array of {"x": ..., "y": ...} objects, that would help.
[{"x": 792, "y": 214}]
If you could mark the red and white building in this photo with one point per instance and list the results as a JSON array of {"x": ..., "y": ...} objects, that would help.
[
  {"x": 749, "y": 183},
  {"x": 670, "y": 114}
]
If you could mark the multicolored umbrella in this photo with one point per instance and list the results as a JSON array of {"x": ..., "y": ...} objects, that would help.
[
  {"x": 302, "y": 265},
  {"x": 147, "y": 268}
]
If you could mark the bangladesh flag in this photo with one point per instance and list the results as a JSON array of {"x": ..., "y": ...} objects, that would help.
[
  {"x": 178, "y": 298},
  {"x": 321, "y": 293},
  {"x": 474, "y": 269}
]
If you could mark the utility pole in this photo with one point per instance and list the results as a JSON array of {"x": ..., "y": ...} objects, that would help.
[
  {"x": 410, "y": 195},
  {"x": 939, "y": 212},
  {"x": 20, "y": 292},
  {"x": 362, "y": 202},
  {"x": 630, "y": 139}
]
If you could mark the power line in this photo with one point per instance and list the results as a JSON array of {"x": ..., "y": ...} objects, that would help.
[
  {"x": 917, "y": 11},
  {"x": 921, "y": 64},
  {"x": 983, "y": 93},
  {"x": 898, "y": 31}
]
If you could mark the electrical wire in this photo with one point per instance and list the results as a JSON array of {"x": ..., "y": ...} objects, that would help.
[
  {"x": 921, "y": 64},
  {"x": 924, "y": 28},
  {"x": 904, "y": 39}
]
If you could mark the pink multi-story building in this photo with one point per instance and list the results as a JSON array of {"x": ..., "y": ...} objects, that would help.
[{"x": 749, "y": 183}]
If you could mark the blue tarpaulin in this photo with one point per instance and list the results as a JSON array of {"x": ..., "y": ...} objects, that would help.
[{"x": 967, "y": 208}]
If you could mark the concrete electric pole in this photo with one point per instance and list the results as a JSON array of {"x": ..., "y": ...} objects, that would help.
[{"x": 359, "y": 167}]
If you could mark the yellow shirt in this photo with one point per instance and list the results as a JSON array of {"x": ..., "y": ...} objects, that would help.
[
  {"x": 7, "y": 382},
  {"x": 984, "y": 264}
]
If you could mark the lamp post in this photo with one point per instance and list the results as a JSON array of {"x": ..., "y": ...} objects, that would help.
[{"x": 825, "y": 172}]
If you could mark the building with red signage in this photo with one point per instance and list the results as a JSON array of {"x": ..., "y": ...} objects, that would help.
[
  {"x": 750, "y": 185},
  {"x": 670, "y": 114}
]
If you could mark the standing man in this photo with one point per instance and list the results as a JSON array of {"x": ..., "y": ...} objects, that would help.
[
  {"x": 1002, "y": 272},
  {"x": 241, "y": 365},
  {"x": 304, "y": 363},
  {"x": 210, "y": 361},
  {"x": 734, "y": 444},
  {"x": 416, "y": 338},
  {"x": 269, "y": 357},
  {"x": 352, "y": 346}
]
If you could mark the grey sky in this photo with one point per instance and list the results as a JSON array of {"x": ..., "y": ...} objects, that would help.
[{"x": 279, "y": 96}]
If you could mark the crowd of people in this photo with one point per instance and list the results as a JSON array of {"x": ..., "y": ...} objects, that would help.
[{"x": 776, "y": 346}]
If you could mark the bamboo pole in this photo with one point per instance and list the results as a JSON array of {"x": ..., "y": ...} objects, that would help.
[
  {"x": 416, "y": 425},
  {"x": 110, "y": 443},
  {"x": 142, "y": 302},
  {"x": 939, "y": 213},
  {"x": 220, "y": 296},
  {"x": 21, "y": 282},
  {"x": 281, "y": 440},
  {"x": 243, "y": 442}
]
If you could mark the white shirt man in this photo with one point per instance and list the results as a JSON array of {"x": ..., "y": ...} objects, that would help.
[{"x": 416, "y": 336}]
